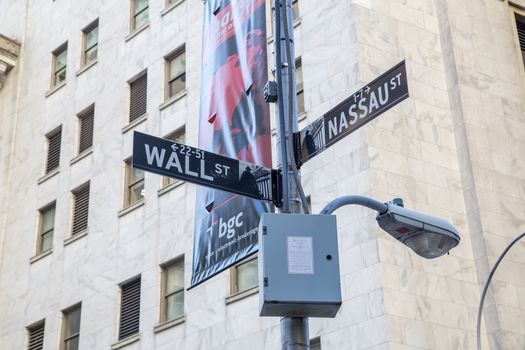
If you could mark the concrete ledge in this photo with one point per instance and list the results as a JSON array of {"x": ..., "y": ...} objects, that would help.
[
  {"x": 134, "y": 123},
  {"x": 137, "y": 31},
  {"x": 86, "y": 67},
  {"x": 171, "y": 7},
  {"x": 48, "y": 175},
  {"x": 56, "y": 88},
  {"x": 40, "y": 256},
  {"x": 122, "y": 343},
  {"x": 170, "y": 187},
  {"x": 173, "y": 99},
  {"x": 242, "y": 295},
  {"x": 81, "y": 156},
  {"x": 169, "y": 324},
  {"x": 131, "y": 207},
  {"x": 75, "y": 238}
]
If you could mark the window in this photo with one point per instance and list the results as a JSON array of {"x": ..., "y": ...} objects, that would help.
[
  {"x": 295, "y": 14},
  {"x": 299, "y": 86},
  {"x": 134, "y": 184},
  {"x": 140, "y": 13},
  {"x": 177, "y": 136},
  {"x": 59, "y": 65},
  {"x": 129, "y": 309},
  {"x": 80, "y": 209},
  {"x": 172, "y": 303},
  {"x": 71, "y": 328},
  {"x": 53, "y": 150},
  {"x": 171, "y": 2},
  {"x": 138, "y": 97},
  {"x": 175, "y": 73},
  {"x": 244, "y": 276},
  {"x": 315, "y": 344},
  {"x": 295, "y": 10},
  {"x": 90, "y": 43},
  {"x": 85, "y": 129},
  {"x": 520, "y": 23},
  {"x": 309, "y": 202},
  {"x": 47, "y": 227},
  {"x": 35, "y": 335}
]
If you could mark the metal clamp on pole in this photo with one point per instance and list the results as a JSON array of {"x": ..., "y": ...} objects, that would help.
[
  {"x": 296, "y": 136},
  {"x": 277, "y": 188}
]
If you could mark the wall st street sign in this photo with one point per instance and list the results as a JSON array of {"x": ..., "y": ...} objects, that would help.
[
  {"x": 195, "y": 165},
  {"x": 360, "y": 108}
]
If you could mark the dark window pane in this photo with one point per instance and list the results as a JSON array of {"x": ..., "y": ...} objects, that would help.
[
  {"x": 72, "y": 344},
  {"x": 177, "y": 85},
  {"x": 73, "y": 322}
]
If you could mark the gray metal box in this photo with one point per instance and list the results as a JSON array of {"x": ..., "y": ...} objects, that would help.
[{"x": 298, "y": 265}]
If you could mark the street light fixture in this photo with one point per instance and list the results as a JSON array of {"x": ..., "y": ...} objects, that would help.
[{"x": 426, "y": 235}]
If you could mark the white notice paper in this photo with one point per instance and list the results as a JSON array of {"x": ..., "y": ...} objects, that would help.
[{"x": 300, "y": 255}]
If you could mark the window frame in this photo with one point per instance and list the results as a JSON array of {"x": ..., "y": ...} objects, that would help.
[
  {"x": 75, "y": 192},
  {"x": 181, "y": 50},
  {"x": 234, "y": 277},
  {"x": 166, "y": 180},
  {"x": 34, "y": 327},
  {"x": 65, "y": 313},
  {"x": 134, "y": 14},
  {"x": 298, "y": 17},
  {"x": 163, "y": 317},
  {"x": 121, "y": 286},
  {"x": 519, "y": 19},
  {"x": 270, "y": 14},
  {"x": 130, "y": 82},
  {"x": 54, "y": 71},
  {"x": 299, "y": 87},
  {"x": 40, "y": 241},
  {"x": 53, "y": 133},
  {"x": 316, "y": 341},
  {"x": 88, "y": 29},
  {"x": 88, "y": 112},
  {"x": 129, "y": 185}
]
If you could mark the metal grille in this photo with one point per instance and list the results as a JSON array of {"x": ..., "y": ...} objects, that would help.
[
  {"x": 86, "y": 130},
  {"x": 138, "y": 97},
  {"x": 36, "y": 338},
  {"x": 53, "y": 151},
  {"x": 520, "y": 23},
  {"x": 81, "y": 209},
  {"x": 129, "y": 309}
]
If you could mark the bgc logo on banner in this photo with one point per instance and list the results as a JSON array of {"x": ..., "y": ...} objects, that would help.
[{"x": 228, "y": 227}]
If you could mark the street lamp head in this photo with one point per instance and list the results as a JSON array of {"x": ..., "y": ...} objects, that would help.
[{"x": 427, "y": 236}]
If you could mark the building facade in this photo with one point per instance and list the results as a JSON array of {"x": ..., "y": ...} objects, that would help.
[{"x": 97, "y": 255}]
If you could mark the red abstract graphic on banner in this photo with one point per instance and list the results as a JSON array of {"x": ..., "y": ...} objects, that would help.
[{"x": 234, "y": 122}]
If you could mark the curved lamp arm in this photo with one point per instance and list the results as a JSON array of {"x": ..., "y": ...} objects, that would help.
[
  {"x": 428, "y": 236},
  {"x": 486, "y": 287},
  {"x": 359, "y": 200}
]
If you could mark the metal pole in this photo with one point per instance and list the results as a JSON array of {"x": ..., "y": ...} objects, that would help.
[
  {"x": 486, "y": 287},
  {"x": 294, "y": 330}
]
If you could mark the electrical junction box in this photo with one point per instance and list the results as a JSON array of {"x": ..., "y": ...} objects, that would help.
[{"x": 298, "y": 265}]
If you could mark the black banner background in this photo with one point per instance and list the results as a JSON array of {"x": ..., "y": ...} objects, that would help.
[{"x": 234, "y": 122}]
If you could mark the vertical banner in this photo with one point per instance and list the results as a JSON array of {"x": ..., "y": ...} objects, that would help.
[{"x": 234, "y": 122}]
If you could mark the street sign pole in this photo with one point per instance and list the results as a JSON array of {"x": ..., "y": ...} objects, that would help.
[{"x": 294, "y": 330}]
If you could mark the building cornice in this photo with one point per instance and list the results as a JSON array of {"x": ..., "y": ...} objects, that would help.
[{"x": 9, "y": 51}]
